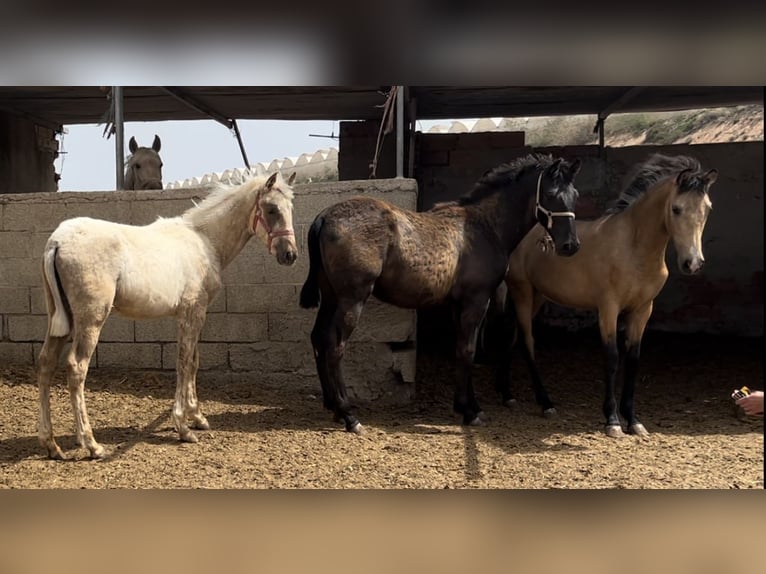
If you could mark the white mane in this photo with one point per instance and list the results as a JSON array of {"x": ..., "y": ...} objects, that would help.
[{"x": 224, "y": 198}]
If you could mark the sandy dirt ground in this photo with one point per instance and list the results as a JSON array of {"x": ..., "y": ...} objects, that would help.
[{"x": 263, "y": 436}]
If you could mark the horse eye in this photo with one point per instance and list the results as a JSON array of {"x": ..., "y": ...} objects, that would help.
[
  {"x": 676, "y": 210},
  {"x": 272, "y": 211},
  {"x": 138, "y": 166}
]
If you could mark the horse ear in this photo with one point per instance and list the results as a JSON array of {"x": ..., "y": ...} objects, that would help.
[
  {"x": 132, "y": 145},
  {"x": 574, "y": 168},
  {"x": 156, "y": 144},
  {"x": 555, "y": 168},
  {"x": 291, "y": 179},
  {"x": 270, "y": 182},
  {"x": 710, "y": 177}
]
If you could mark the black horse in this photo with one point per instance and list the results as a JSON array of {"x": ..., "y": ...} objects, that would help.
[{"x": 457, "y": 253}]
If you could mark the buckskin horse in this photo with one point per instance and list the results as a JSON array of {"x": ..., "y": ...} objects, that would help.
[{"x": 620, "y": 268}]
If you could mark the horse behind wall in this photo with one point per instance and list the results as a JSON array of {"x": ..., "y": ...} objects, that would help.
[{"x": 144, "y": 167}]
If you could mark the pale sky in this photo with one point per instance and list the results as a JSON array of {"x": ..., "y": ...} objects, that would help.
[{"x": 189, "y": 148}]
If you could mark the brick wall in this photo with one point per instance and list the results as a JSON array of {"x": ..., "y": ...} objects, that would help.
[{"x": 254, "y": 324}]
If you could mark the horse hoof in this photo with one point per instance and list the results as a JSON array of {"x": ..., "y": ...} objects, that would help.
[
  {"x": 550, "y": 413},
  {"x": 357, "y": 429},
  {"x": 476, "y": 422},
  {"x": 614, "y": 431},
  {"x": 97, "y": 451},
  {"x": 510, "y": 403},
  {"x": 188, "y": 436},
  {"x": 638, "y": 429},
  {"x": 201, "y": 424},
  {"x": 482, "y": 416},
  {"x": 56, "y": 454}
]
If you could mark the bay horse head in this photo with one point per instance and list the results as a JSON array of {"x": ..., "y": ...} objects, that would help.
[
  {"x": 555, "y": 201},
  {"x": 687, "y": 214},
  {"x": 272, "y": 218},
  {"x": 144, "y": 168}
]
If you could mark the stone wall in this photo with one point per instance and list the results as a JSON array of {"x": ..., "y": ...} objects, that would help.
[{"x": 254, "y": 324}]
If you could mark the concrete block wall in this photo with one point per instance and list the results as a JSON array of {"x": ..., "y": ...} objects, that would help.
[{"x": 255, "y": 322}]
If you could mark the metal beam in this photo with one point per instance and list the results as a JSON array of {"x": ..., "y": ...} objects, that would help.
[
  {"x": 194, "y": 104},
  {"x": 235, "y": 127},
  {"x": 626, "y": 96},
  {"x": 198, "y": 106},
  {"x": 119, "y": 137},
  {"x": 33, "y": 118}
]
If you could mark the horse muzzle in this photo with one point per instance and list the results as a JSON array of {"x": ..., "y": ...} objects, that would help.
[
  {"x": 286, "y": 253},
  {"x": 692, "y": 266},
  {"x": 155, "y": 184}
]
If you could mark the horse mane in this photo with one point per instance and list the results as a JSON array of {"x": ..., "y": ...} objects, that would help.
[
  {"x": 222, "y": 197},
  {"x": 495, "y": 179},
  {"x": 647, "y": 174}
]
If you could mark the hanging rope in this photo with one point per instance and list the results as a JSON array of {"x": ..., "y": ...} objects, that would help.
[
  {"x": 108, "y": 117},
  {"x": 386, "y": 127}
]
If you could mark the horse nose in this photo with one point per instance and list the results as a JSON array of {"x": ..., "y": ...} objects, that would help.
[
  {"x": 287, "y": 257},
  {"x": 570, "y": 247},
  {"x": 690, "y": 266}
]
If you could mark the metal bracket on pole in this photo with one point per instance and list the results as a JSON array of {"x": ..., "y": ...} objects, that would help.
[{"x": 119, "y": 137}]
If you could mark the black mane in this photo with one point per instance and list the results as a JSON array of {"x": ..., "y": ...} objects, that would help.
[
  {"x": 645, "y": 175},
  {"x": 496, "y": 178}
]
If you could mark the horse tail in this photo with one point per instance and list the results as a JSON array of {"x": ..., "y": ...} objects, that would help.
[
  {"x": 58, "y": 319},
  {"x": 310, "y": 290}
]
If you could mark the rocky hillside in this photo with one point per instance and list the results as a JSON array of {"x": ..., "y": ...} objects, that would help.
[{"x": 715, "y": 125}]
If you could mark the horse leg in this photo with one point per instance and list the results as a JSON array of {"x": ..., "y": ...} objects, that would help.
[
  {"x": 634, "y": 331},
  {"x": 198, "y": 419},
  {"x": 47, "y": 362},
  {"x": 469, "y": 319},
  {"x": 503, "y": 350},
  {"x": 607, "y": 323},
  {"x": 343, "y": 324},
  {"x": 320, "y": 344},
  {"x": 527, "y": 307},
  {"x": 84, "y": 342},
  {"x": 190, "y": 322}
]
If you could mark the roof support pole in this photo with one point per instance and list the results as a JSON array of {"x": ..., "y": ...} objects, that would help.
[
  {"x": 119, "y": 137},
  {"x": 400, "y": 132}
]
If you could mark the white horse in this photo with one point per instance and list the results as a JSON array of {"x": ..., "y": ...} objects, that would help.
[
  {"x": 144, "y": 167},
  {"x": 171, "y": 267}
]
